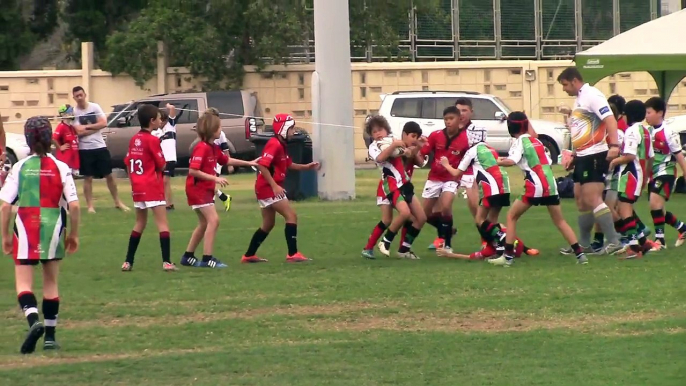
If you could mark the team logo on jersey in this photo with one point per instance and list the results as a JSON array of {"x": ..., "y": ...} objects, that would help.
[
  {"x": 455, "y": 152},
  {"x": 137, "y": 142}
]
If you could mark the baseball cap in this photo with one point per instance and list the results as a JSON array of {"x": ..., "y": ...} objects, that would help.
[{"x": 37, "y": 129}]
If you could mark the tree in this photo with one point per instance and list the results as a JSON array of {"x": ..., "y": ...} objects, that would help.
[
  {"x": 16, "y": 38},
  {"x": 44, "y": 17}
]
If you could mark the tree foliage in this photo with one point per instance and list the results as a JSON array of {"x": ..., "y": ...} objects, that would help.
[
  {"x": 44, "y": 17},
  {"x": 16, "y": 38}
]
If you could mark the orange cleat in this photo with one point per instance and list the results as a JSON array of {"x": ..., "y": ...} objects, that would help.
[
  {"x": 252, "y": 259},
  {"x": 439, "y": 243},
  {"x": 296, "y": 258},
  {"x": 532, "y": 252}
]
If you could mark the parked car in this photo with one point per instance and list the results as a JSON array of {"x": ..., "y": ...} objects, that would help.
[
  {"x": 16, "y": 147},
  {"x": 240, "y": 109},
  {"x": 490, "y": 112}
]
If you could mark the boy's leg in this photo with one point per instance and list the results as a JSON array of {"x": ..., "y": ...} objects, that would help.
[
  {"x": 412, "y": 229},
  {"x": 212, "y": 219},
  {"x": 160, "y": 215},
  {"x": 380, "y": 228},
  {"x": 268, "y": 220},
  {"x": 51, "y": 303},
  {"x": 23, "y": 275},
  {"x": 446, "y": 202},
  {"x": 168, "y": 192},
  {"x": 517, "y": 209},
  {"x": 630, "y": 228},
  {"x": 189, "y": 258},
  {"x": 284, "y": 208},
  {"x": 224, "y": 198},
  {"x": 135, "y": 237},
  {"x": 555, "y": 212}
]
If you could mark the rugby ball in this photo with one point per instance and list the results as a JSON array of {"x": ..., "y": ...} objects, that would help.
[{"x": 384, "y": 143}]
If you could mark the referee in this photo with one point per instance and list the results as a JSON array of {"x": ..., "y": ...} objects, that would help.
[{"x": 595, "y": 142}]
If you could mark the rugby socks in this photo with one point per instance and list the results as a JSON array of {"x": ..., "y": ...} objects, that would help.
[
  {"x": 632, "y": 233},
  {"x": 509, "y": 251},
  {"x": 599, "y": 238},
  {"x": 603, "y": 216},
  {"x": 206, "y": 258},
  {"x": 388, "y": 239},
  {"x": 586, "y": 221},
  {"x": 434, "y": 220},
  {"x": 618, "y": 226},
  {"x": 411, "y": 234},
  {"x": 134, "y": 240},
  {"x": 29, "y": 305},
  {"x": 50, "y": 309},
  {"x": 640, "y": 226},
  {"x": 190, "y": 257},
  {"x": 291, "y": 232},
  {"x": 659, "y": 224},
  {"x": 674, "y": 222},
  {"x": 446, "y": 230},
  {"x": 377, "y": 232},
  {"x": 257, "y": 238},
  {"x": 222, "y": 196},
  {"x": 403, "y": 234},
  {"x": 165, "y": 245}
]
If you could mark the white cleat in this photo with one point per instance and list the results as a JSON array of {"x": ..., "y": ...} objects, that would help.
[
  {"x": 680, "y": 241},
  {"x": 408, "y": 255},
  {"x": 383, "y": 250},
  {"x": 501, "y": 261}
]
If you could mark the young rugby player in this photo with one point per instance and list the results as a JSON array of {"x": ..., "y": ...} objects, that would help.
[
  {"x": 145, "y": 163},
  {"x": 540, "y": 187},
  {"x": 223, "y": 144},
  {"x": 66, "y": 139},
  {"x": 489, "y": 250},
  {"x": 398, "y": 189},
  {"x": 42, "y": 188},
  {"x": 440, "y": 188},
  {"x": 631, "y": 168},
  {"x": 667, "y": 150},
  {"x": 271, "y": 196},
  {"x": 168, "y": 142}
]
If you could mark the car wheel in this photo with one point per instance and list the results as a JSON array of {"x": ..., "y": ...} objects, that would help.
[
  {"x": 10, "y": 160},
  {"x": 550, "y": 149}
]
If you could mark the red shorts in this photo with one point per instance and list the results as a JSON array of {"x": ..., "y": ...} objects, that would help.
[{"x": 199, "y": 196}]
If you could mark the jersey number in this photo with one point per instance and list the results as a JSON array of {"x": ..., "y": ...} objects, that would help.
[{"x": 136, "y": 166}]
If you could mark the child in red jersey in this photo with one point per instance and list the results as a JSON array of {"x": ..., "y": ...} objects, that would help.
[
  {"x": 489, "y": 250},
  {"x": 378, "y": 129},
  {"x": 271, "y": 196},
  {"x": 66, "y": 140},
  {"x": 145, "y": 164},
  {"x": 441, "y": 187}
]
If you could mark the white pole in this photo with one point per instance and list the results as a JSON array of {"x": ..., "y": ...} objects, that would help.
[{"x": 332, "y": 101}]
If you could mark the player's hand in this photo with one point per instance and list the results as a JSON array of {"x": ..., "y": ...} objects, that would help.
[
  {"x": 442, "y": 252},
  {"x": 397, "y": 143},
  {"x": 66, "y": 146},
  {"x": 314, "y": 166},
  {"x": 169, "y": 106},
  {"x": 422, "y": 141},
  {"x": 71, "y": 245},
  {"x": 7, "y": 244},
  {"x": 221, "y": 181},
  {"x": 568, "y": 163},
  {"x": 279, "y": 191},
  {"x": 445, "y": 161},
  {"x": 613, "y": 153}
]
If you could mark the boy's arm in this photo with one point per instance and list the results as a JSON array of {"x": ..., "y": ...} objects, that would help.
[
  {"x": 383, "y": 155},
  {"x": 682, "y": 163},
  {"x": 267, "y": 176},
  {"x": 157, "y": 155}
]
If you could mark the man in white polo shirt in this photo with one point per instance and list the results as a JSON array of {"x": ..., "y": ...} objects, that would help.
[
  {"x": 595, "y": 142},
  {"x": 93, "y": 154}
]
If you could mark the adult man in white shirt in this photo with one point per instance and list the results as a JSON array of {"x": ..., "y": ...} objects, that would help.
[
  {"x": 595, "y": 142},
  {"x": 93, "y": 154}
]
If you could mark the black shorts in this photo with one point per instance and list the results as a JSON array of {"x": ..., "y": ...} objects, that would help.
[
  {"x": 95, "y": 163},
  {"x": 590, "y": 168},
  {"x": 169, "y": 168},
  {"x": 496, "y": 201},
  {"x": 541, "y": 201},
  {"x": 32, "y": 261},
  {"x": 404, "y": 193},
  {"x": 662, "y": 186}
]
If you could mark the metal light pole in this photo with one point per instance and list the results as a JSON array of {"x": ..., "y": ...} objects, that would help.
[{"x": 332, "y": 101}]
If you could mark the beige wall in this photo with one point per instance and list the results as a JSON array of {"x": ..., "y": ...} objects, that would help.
[{"x": 287, "y": 89}]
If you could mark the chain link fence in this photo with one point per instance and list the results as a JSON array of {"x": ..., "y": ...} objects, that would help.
[{"x": 505, "y": 29}]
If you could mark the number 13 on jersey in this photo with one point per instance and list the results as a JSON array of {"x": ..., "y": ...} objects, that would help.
[{"x": 136, "y": 166}]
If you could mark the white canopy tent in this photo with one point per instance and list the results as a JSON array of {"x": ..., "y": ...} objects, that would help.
[{"x": 658, "y": 47}]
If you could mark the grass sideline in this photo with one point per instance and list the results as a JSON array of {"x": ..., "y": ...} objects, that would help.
[{"x": 343, "y": 320}]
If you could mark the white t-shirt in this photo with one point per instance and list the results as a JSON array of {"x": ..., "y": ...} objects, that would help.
[
  {"x": 586, "y": 122},
  {"x": 168, "y": 138},
  {"x": 89, "y": 116},
  {"x": 223, "y": 143}
]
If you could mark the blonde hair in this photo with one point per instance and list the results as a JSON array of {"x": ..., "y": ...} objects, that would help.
[{"x": 208, "y": 124}]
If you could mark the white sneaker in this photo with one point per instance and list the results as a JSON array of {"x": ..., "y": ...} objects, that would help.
[
  {"x": 383, "y": 250},
  {"x": 408, "y": 255},
  {"x": 501, "y": 261}
]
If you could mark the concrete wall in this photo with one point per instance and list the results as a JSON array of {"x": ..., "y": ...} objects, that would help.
[{"x": 525, "y": 85}]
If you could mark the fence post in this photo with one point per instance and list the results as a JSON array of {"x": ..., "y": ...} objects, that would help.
[
  {"x": 87, "y": 63},
  {"x": 162, "y": 64}
]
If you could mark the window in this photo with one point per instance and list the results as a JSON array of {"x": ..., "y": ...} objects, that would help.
[
  {"x": 227, "y": 102},
  {"x": 484, "y": 109},
  {"x": 407, "y": 108},
  {"x": 186, "y": 111}
]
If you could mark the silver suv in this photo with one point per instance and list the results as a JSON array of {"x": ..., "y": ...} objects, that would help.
[{"x": 490, "y": 112}]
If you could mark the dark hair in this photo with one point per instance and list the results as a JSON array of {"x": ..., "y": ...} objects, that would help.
[
  {"x": 635, "y": 111},
  {"x": 77, "y": 89},
  {"x": 656, "y": 103},
  {"x": 618, "y": 101},
  {"x": 164, "y": 115},
  {"x": 464, "y": 102},
  {"x": 147, "y": 113},
  {"x": 41, "y": 148},
  {"x": 615, "y": 110},
  {"x": 569, "y": 74},
  {"x": 376, "y": 120},
  {"x": 451, "y": 110},
  {"x": 412, "y": 127},
  {"x": 517, "y": 123}
]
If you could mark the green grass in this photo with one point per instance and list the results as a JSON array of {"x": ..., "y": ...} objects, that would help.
[{"x": 343, "y": 320}]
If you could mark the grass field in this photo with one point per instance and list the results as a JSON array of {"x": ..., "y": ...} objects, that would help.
[{"x": 343, "y": 320}]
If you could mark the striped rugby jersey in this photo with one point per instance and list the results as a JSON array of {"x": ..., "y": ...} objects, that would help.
[
  {"x": 491, "y": 178},
  {"x": 41, "y": 188},
  {"x": 529, "y": 154}
]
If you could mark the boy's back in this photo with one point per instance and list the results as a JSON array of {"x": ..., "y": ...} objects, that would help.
[{"x": 145, "y": 163}]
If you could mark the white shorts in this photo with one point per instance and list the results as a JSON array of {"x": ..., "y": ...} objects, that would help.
[
  {"x": 382, "y": 201},
  {"x": 433, "y": 189},
  {"x": 75, "y": 172},
  {"x": 467, "y": 181},
  {"x": 194, "y": 207},
  {"x": 148, "y": 204},
  {"x": 267, "y": 202}
]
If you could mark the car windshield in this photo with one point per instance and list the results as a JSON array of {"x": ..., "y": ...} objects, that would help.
[
  {"x": 116, "y": 109},
  {"x": 506, "y": 109}
]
